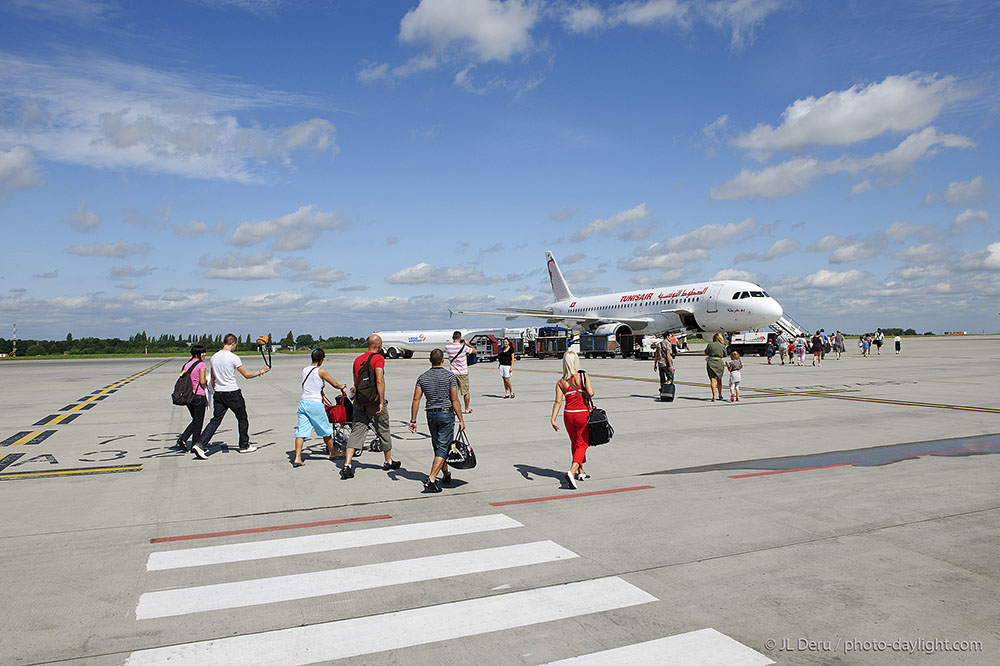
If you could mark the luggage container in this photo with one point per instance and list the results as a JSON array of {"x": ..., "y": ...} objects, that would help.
[
  {"x": 552, "y": 341},
  {"x": 593, "y": 345}
]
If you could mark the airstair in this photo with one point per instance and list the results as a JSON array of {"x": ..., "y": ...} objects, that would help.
[{"x": 788, "y": 326}]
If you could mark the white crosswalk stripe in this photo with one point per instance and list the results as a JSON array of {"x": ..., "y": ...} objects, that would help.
[
  {"x": 705, "y": 647},
  {"x": 316, "y": 543},
  {"x": 391, "y": 631},
  {"x": 347, "y": 579},
  {"x": 326, "y": 641}
]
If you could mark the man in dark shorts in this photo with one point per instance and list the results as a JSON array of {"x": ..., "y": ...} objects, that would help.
[
  {"x": 374, "y": 413},
  {"x": 440, "y": 388}
]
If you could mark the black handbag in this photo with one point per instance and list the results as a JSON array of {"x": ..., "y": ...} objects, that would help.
[
  {"x": 460, "y": 454},
  {"x": 598, "y": 427}
]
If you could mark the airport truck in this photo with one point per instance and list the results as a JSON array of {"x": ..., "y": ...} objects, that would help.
[
  {"x": 402, "y": 344},
  {"x": 751, "y": 342}
]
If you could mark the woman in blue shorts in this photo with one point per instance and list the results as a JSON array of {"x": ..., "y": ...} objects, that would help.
[{"x": 311, "y": 413}]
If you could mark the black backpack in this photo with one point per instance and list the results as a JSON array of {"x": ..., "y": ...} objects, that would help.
[
  {"x": 366, "y": 385},
  {"x": 183, "y": 393}
]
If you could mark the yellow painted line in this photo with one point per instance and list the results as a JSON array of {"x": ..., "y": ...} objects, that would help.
[
  {"x": 21, "y": 475},
  {"x": 27, "y": 438},
  {"x": 57, "y": 419},
  {"x": 76, "y": 408}
]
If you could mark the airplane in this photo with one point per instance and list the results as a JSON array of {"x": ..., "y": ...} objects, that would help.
[{"x": 713, "y": 306}]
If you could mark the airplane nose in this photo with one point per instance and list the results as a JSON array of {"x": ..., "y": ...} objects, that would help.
[{"x": 775, "y": 310}]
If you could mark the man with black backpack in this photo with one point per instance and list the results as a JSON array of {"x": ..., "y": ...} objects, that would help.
[{"x": 369, "y": 407}]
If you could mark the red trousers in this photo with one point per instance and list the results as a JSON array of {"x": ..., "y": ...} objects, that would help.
[{"x": 579, "y": 435}]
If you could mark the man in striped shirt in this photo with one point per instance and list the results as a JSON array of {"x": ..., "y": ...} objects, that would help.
[{"x": 440, "y": 388}]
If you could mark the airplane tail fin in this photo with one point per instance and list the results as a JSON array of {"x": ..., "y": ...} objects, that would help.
[{"x": 559, "y": 287}]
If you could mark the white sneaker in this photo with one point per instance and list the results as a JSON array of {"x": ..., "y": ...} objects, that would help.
[
  {"x": 199, "y": 452},
  {"x": 583, "y": 476},
  {"x": 250, "y": 448}
]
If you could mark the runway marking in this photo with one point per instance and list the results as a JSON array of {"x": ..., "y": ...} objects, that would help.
[
  {"x": 91, "y": 398},
  {"x": 79, "y": 407},
  {"x": 262, "y": 591},
  {"x": 257, "y": 530},
  {"x": 54, "y": 419},
  {"x": 705, "y": 647},
  {"x": 27, "y": 438},
  {"x": 570, "y": 495},
  {"x": 79, "y": 471},
  {"x": 820, "y": 393},
  {"x": 392, "y": 631},
  {"x": 104, "y": 392},
  {"x": 317, "y": 543},
  {"x": 9, "y": 460}
]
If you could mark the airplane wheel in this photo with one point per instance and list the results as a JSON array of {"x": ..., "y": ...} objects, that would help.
[{"x": 407, "y": 354}]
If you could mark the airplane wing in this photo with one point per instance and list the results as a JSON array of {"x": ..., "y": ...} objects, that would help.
[{"x": 553, "y": 318}]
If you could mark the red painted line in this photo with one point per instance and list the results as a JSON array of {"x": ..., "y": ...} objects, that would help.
[
  {"x": 558, "y": 497},
  {"x": 787, "y": 471},
  {"x": 256, "y": 530},
  {"x": 937, "y": 453}
]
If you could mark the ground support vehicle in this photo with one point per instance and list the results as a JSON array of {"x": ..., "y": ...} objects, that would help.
[
  {"x": 552, "y": 341},
  {"x": 752, "y": 342},
  {"x": 487, "y": 346},
  {"x": 594, "y": 345}
]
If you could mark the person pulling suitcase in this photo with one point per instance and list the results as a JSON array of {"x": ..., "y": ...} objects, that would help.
[{"x": 663, "y": 362}]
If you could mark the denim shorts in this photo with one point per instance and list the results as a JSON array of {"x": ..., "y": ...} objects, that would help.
[
  {"x": 442, "y": 427},
  {"x": 312, "y": 416}
]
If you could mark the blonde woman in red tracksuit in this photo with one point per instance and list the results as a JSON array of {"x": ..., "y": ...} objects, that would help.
[{"x": 573, "y": 384}]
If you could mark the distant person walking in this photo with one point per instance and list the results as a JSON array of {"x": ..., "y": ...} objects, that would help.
[
  {"x": 311, "y": 413},
  {"x": 663, "y": 362},
  {"x": 816, "y": 347},
  {"x": 782, "y": 343},
  {"x": 715, "y": 352},
  {"x": 800, "y": 349},
  {"x": 459, "y": 365},
  {"x": 575, "y": 386},
  {"x": 879, "y": 339},
  {"x": 838, "y": 343},
  {"x": 899, "y": 343},
  {"x": 506, "y": 360},
  {"x": 440, "y": 388},
  {"x": 769, "y": 350},
  {"x": 735, "y": 367},
  {"x": 196, "y": 408},
  {"x": 225, "y": 365},
  {"x": 370, "y": 407}
]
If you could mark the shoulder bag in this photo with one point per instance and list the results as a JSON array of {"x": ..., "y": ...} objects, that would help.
[
  {"x": 598, "y": 427},
  {"x": 460, "y": 454}
]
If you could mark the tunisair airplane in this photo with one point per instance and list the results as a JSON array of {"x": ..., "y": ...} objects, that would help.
[{"x": 715, "y": 306}]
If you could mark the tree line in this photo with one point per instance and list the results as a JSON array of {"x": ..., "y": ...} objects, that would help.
[{"x": 142, "y": 343}]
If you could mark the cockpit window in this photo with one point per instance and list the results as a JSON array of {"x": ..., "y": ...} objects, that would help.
[
  {"x": 744, "y": 294},
  {"x": 757, "y": 294},
  {"x": 736, "y": 295}
]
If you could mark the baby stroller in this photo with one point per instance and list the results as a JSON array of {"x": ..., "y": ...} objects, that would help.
[{"x": 341, "y": 414}]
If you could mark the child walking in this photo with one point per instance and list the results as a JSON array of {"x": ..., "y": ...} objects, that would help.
[{"x": 734, "y": 365}]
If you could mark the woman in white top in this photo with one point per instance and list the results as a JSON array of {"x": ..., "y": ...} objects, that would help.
[{"x": 311, "y": 412}]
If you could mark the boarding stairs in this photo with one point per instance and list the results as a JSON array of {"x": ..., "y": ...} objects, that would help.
[{"x": 789, "y": 327}]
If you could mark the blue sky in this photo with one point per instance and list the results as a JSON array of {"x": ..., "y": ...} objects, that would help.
[{"x": 341, "y": 167}]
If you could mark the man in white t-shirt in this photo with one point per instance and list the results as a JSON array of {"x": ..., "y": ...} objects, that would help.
[
  {"x": 459, "y": 365},
  {"x": 225, "y": 365}
]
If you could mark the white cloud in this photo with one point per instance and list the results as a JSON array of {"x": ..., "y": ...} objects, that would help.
[
  {"x": 18, "y": 169},
  {"x": 857, "y": 251},
  {"x": 897, "y": 104},
  {"x": 119, "y": 249},
  {"x": 424, "y": 273},
  {"x": 104, "y": 113},
  {"x": 958, "y": 192},
  {"x": 900, "y": 231},
  {"x": 624, "y": 217},
  {"x": 863, "y": 186},
  {"x": 734, "y": 274},
  {"x": 72, "y": 11},
  {"x": 779, "y": 249},
  {"x": 487, "y": 29},
  {"x": 665, "y": 260},
  {"x": 966, "y": 219},
  {"x": 824, "y": 279},
  {"x": 706, "y": 237},
  {"x": 742, "y": 18},
  {"x": 587, "y": 17},
  {"x": 663, "y": 278},
  {"x": 84, "y": 220},
  {"x": 259, "y": 266},
  {"x": 581, "y": 275},
  {"x": 197, "y": 228},
  {"x": 127, "y": 272},
  {"x": 572, "y": 258},
  {"x": 294, "y": 231},
  {"x": 47, "y": 276},
  {"x": 562, "y": 214},
  {"x": 924, "y": 254},
  {"x": 830, "y": 242},
  {"x": 797, "y": 174},
  {"x": 987, "y": 259}
]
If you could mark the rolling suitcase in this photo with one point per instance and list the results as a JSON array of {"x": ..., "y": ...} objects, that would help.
[{"x": 667, "y": 393}]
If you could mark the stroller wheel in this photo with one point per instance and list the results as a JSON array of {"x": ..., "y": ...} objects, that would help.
[{"x": 374, "y": 446}]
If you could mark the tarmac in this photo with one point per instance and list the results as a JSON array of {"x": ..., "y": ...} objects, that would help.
[{"x": 841, "y": 514}]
